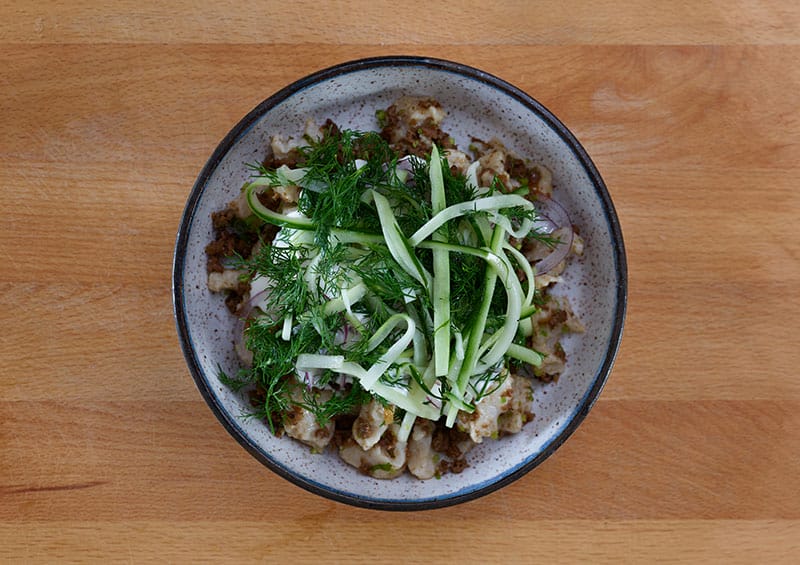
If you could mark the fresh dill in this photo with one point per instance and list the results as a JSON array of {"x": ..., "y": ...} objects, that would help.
[
  {"x": 394, "y": 376},
  {"x": 325, "y": 408},
  {"x": 466, "y": 274},
  {"x": 487, "y": 383},
  {"x": 328, "y": 271},
  {"x": 333, "y": 162},
  {"x": 274, "y": 356},
  {"x": 272, "y": 399},
  {"x": 284, "y": 267},
  {"x": 544, "y": 238},
  {"x": 328, "y": 294},
  {"x": 234, "y": 382},
  {"x": 385, "y": 278}
]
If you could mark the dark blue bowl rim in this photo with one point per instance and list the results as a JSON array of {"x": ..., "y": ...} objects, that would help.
[{"x": 346, "y": 68}]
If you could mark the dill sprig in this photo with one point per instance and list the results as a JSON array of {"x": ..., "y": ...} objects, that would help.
[
  {"x": 274, "y": 401},
  {"x": 340, "y": 402},
  {"x": 466, "y": 274},
  {"x": 284, "y": 267},
  {"x": 487, "y": 383},
  {"x": 544, "y": 238},
  {"x": 385, "y": 278},
  {"x": 308, "y": 283},
  {"x": 235, "y": 382},
  {"x": 331, "y": 162},
  {"x": 331, "y": 275},
  {"x": 272, "y": 355}
]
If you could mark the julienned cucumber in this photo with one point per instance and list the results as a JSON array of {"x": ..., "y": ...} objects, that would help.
[{"x": 422, "y": 361}]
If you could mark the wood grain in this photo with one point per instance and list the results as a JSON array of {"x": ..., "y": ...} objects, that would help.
[
  {"x": 556, "y": 541},
  {"x": 675, "y": 460},
  {"x": 463, "y": 22},
  {"x": 689, "y": 110}
]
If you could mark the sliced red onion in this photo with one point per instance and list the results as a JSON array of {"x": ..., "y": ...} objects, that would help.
[
  {"x": 245, "y": 354},
  {"x": 406, "y": 163},
  {"x": 435, "y": 402},
  {"x": 556, "y": 219},
  {"x": 248, "y": 306},
  {"x": 309, "y": 379}
]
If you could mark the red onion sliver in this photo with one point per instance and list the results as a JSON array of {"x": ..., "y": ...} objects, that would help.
[
  {"x": 404, "y": 164},
  {"x": 248, "y": 306},
  {"x": 436, "y": 403},
  {"x": 554, "y": 213},
  {"x": 309, "y": 380},
  {"x": 245, "y": 354}
]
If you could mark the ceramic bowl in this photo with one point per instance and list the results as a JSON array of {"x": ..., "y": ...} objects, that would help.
[{"x": 477, "y": 104}]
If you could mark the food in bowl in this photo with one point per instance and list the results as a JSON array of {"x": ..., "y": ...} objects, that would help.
[{"x": 393, "y": 291}]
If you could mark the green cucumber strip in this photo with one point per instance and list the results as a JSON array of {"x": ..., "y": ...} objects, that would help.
[
  {"x": 452, "y": 413},
  {"x": 400, "y": 397},
  {"x": 311, "y": 276},
  {"x": 458, "y": 346},
  {"x": 428, "y": 378},
  {"x": 485, "y": 229},
  {"x": 353, "y": 294},
  {"x": 525, "y": 354},
  {"x": 405, "y": 426},
  {"x": 388, "y": 327},
  {"x": 286, "y": 332},
  {"x": 349, "y": 236},
  {"x": 491, "y": 203},
  {"x": 479, "y": 322},
  {"x": 455, "y": 368},
  {"x": 523, "y": 230},
  {"x": 441, "y": 273},
  {"x": 483, "y": 252},
  {"x": 456, "y": 403},
  {"x": 513, "y": 308},
  {"x": 525, "y": 265},
  {"x": 349, "y": 296},
  {"x": 450, "y": 408},
  {"x": 438, "y": 197},
  {"x": 301, "y": 222},
  {"x": 459, "y": 403},
  {"x": 526, "y": 327},
  {"x": 267, "y": 215},
  {"x": 309, "y": 361},
  {"x": 390, "y": 356},
  {"x": 352, "y": 369},
  {"x": 420, "y": 349},
  {"x": 490, "y": 340},
  {"x": 397, "y": 243}
]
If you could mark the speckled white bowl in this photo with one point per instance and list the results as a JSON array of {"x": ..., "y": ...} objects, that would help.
[{"x": 477, "y": 104}]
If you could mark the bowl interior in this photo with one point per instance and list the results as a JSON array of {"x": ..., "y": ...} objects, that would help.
[{"x": 477, "y": 105}]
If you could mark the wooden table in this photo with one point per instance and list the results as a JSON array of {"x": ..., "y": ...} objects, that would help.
[{"x": 690, "y": 111}]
